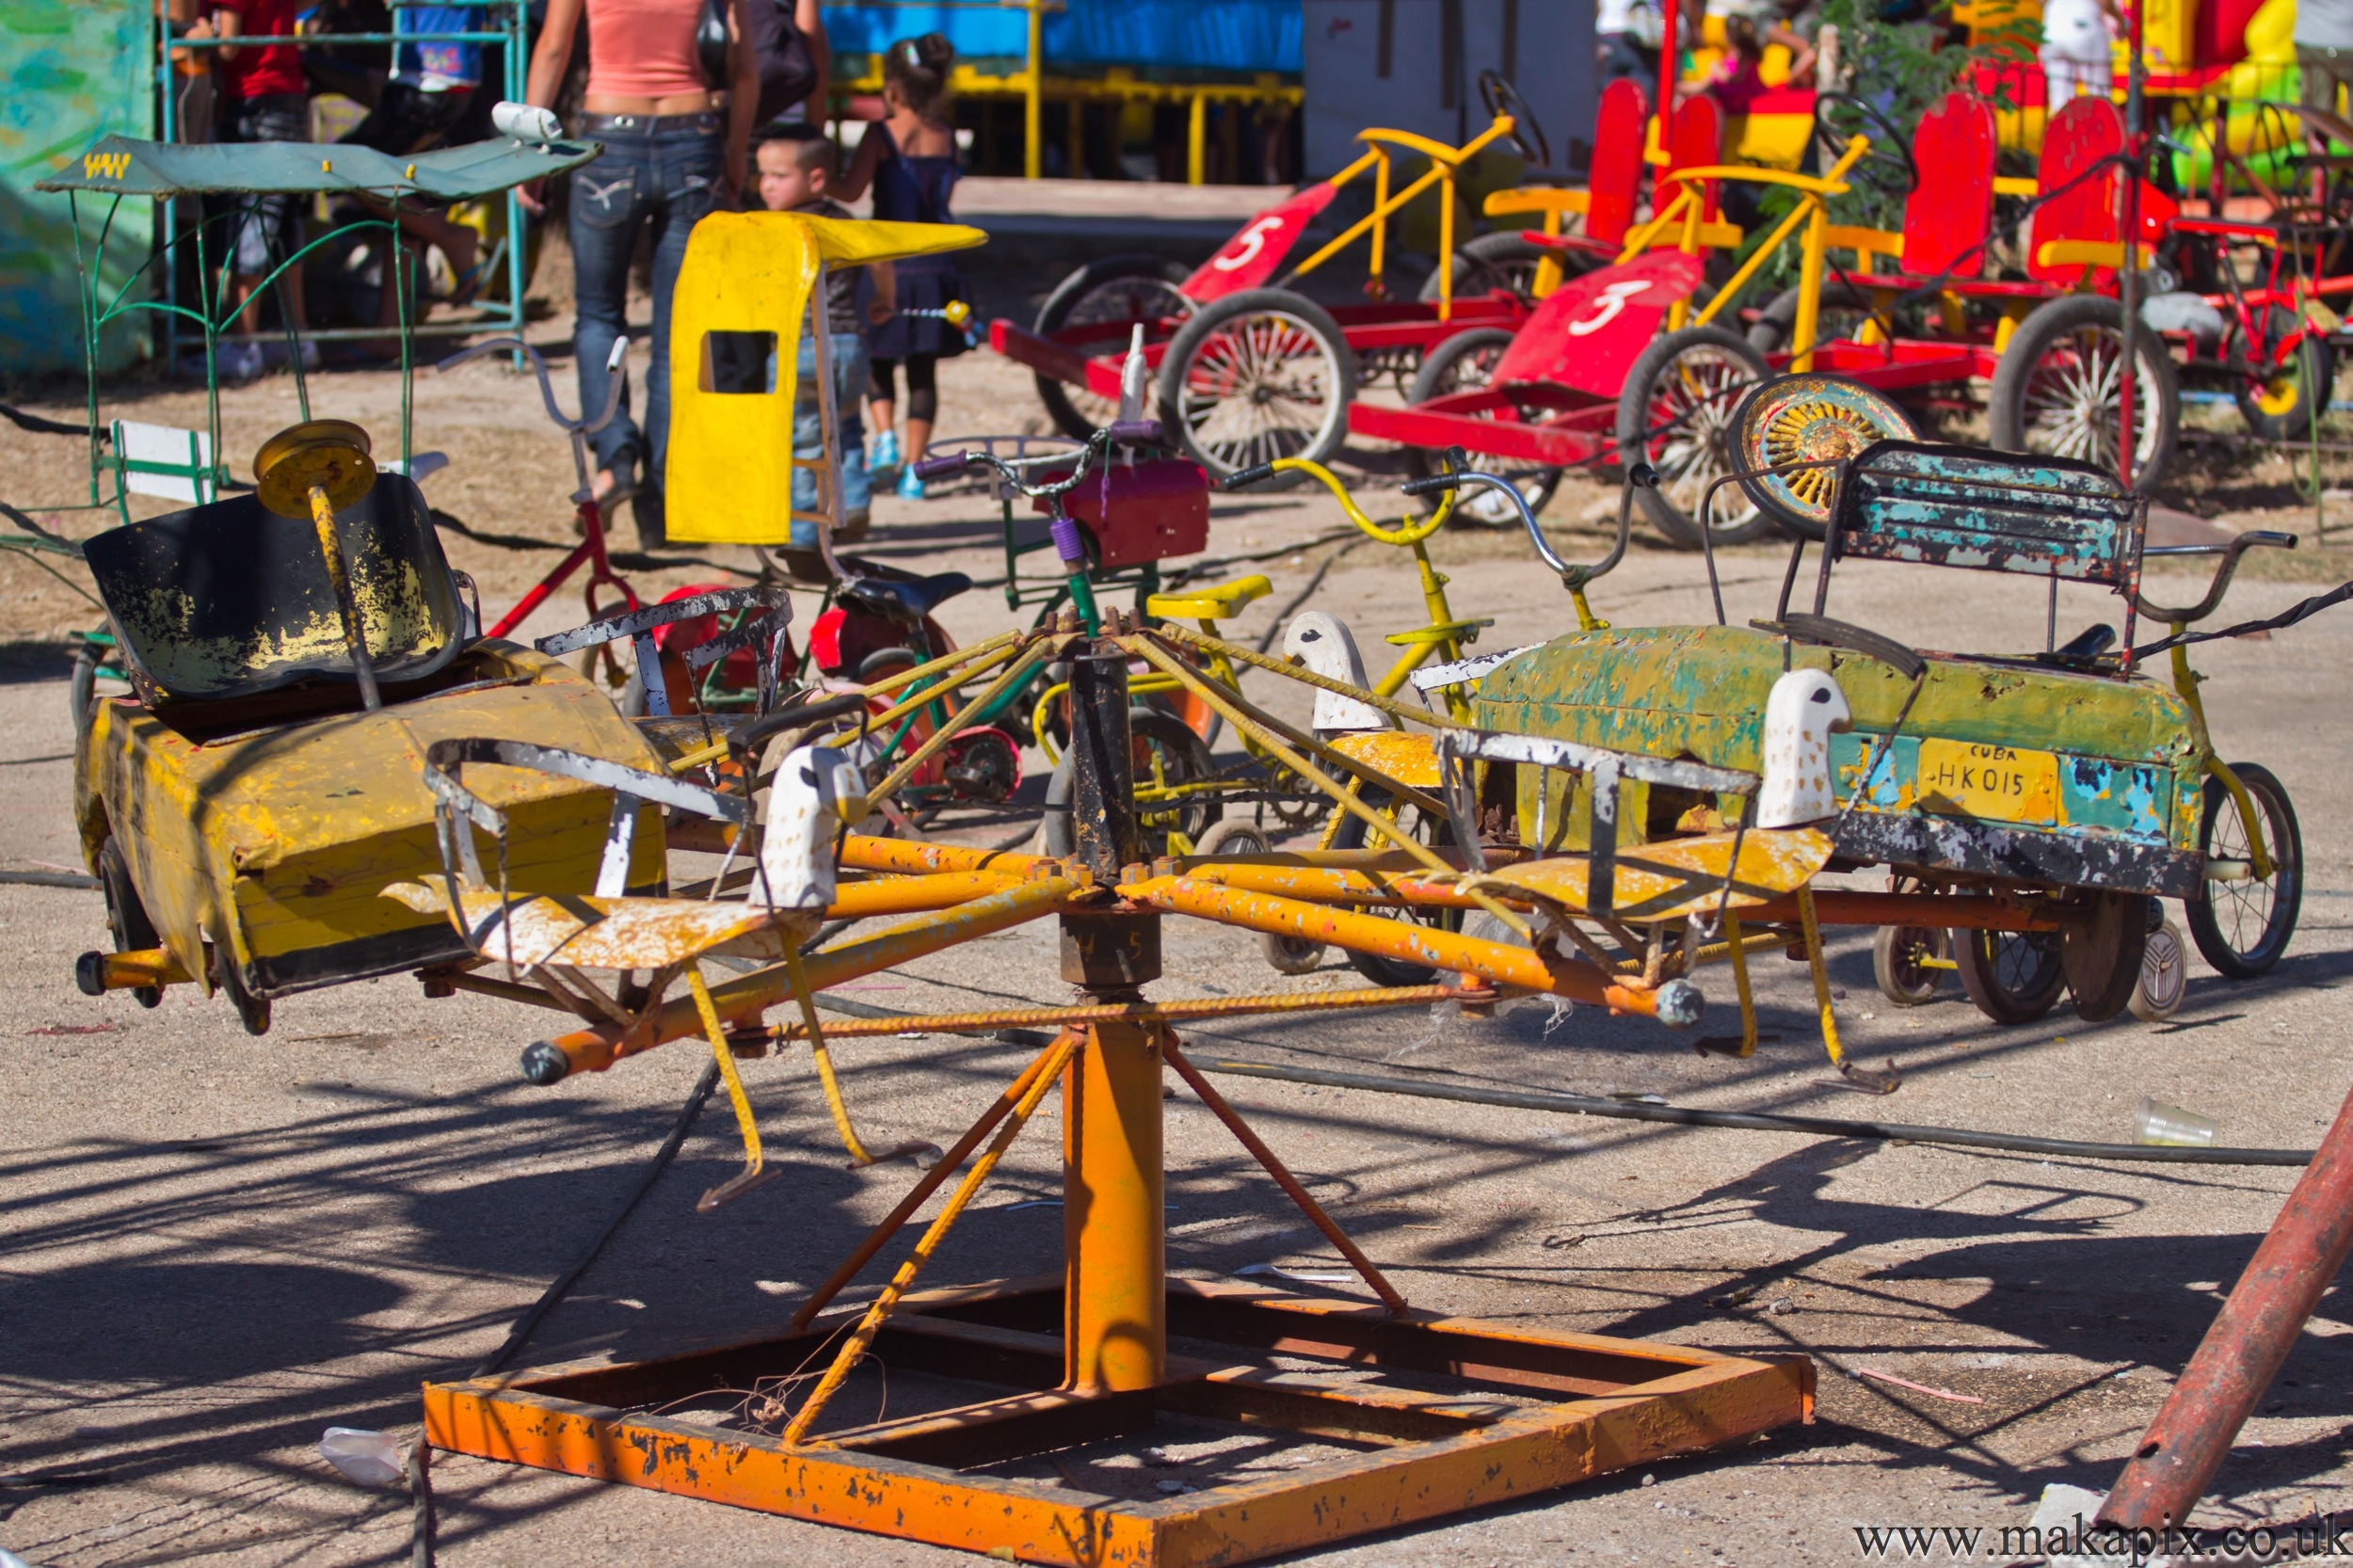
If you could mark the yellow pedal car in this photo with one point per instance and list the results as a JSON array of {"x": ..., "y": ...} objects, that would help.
[{"x": 250, "y": 799}]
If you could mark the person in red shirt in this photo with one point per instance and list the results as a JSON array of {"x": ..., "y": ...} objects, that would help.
[{"x": 262, "y": 100}]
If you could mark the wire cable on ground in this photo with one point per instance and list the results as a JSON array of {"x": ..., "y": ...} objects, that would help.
[
  {"x": 1637, "y": 1110},
  {"x": 420, "y": 1458},
  {"x": 36, "y": 424},
  {"x": 1751, "y": 1121}
]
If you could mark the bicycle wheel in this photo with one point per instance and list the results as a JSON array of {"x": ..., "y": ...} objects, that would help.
[
  {"x": 1285, "y": 954},
  {"x": 2241, "y": 925},
  {"x": 1502, "y": 261},
  {"x": 1114, "y": 289},
  {"x": 1353, "y": 834},
  {"x": 126, "y": 917},
  {"x": 1676, "y": 412},
  {"x": 2278, "y": 403},
  {"x": 2056, "y": 390},
  {"x": 1167, "y": 756},
  {"x": 1463, "y": 361},
  {"x": 2014, "y": 977},
  {"x": 1898, "y": 963},
  {"x": 1260, "y": 375}
]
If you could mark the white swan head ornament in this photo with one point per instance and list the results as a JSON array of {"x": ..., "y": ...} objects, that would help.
[
  {"x": 1805, "y": 708},
  {"x": 1321, "y": 641}
]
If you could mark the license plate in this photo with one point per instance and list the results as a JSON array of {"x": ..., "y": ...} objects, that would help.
[{"x": 2000, "y": 783}]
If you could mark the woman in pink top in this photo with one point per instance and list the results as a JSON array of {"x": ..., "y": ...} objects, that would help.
[{"x": 657, "y": 99}]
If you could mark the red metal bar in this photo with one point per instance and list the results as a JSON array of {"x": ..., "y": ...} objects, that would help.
[{"x": 2241, "y": 1353}]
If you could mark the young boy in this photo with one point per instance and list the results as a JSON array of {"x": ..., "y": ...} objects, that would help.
[{"x": 798, "y": 162}]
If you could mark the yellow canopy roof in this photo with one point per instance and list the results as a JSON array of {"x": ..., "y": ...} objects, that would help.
[{"x": 736, "y": 316}]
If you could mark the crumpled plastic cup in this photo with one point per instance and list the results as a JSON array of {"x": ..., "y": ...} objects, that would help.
[
  {"x": 364, "y": 1458},
  {"x": 2157, "y": 1123}
]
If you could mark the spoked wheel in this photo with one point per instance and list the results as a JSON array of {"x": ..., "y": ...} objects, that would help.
[
  {"x": 1814, "y": 419},
  {"x": 1903, "y": 962},
  {"x": 1166, "y": 757},
  {"x": 1842, "y": 312},
  {"x": 1353, "y": 834},
  {"x": 2243, "y": 925},
  {"x": 2101, "y": 955},
  {"x": 2014, "y": 977},
  {"x": 1503, "y": 261},
  {"x": 1259, "y": 374},
  {"x": 2056, "y": 392},
  {"x": 1115, "y": 289},
  {"x": 2277, "y": 403},
  {"x": 1464, "y": 361},
  {"x": 1286, "y": 955},
  {"x": 1676, "y": 412}
]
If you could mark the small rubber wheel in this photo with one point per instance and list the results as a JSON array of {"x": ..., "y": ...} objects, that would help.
[
  {"x": 1259, "y": 374},
  {"x": 2054, "y": 392},
  {"x": 1897, "y": 954},
  {"x": 126, "y": 916},
  {"x": 2241, "y": 925},
  {"x": 1675, "y": 413},
  {"x": 2164, "y": 982},
  {"x": 1286, "y": 955},
  {"x": 1131, "y": 287},
  {"x": 1813, "y": 418},
  {"x": 1353, "y": 834},
  {"x": 2013, "y": 977},
  {"x": 2279, "y": 406},
  {"x": 2101, "y": 956},
  {"x": 1462, "y": 362},
  {"x": 252, "y": 1011}
]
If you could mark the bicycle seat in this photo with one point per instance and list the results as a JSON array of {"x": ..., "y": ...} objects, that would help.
[
  {"x": 1216, "y": 601},
  {"x": 906, "y": 600}
]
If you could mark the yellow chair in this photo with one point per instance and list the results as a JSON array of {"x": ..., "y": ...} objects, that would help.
[{"x": 736, "y": 320}]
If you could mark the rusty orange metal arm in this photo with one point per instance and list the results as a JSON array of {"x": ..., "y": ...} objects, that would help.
[
  {"x": 595, "y": 1049},
  {"x": 866, "y": 853},
  {"x": 1677, "y": 1003},
  {"x": 1326, "y": 885},
  {"x": 909, "y": 895}
]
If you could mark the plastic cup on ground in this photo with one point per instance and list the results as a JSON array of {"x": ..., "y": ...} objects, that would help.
[{"x": 2168, "y": 1126}]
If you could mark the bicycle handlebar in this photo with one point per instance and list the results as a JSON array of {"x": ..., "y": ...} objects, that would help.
[
  {"x": 744, "y": 740},
  {"x": 1404, "y": 535},
  {"x": 1638, "y": 476},
  {"x": 1136, "y": 432},
  {"x": 546, "y": 388},
  {"x": 2222, "y": 574}
]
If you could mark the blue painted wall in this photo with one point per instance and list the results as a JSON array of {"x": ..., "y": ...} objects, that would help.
[{"x": 1183, "y": 35}]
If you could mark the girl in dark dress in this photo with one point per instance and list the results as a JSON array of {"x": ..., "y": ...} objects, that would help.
[{"x": 909, "y": 157}]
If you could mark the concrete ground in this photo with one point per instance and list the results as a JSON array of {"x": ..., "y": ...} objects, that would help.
[{"x": 219, "y": 1246}]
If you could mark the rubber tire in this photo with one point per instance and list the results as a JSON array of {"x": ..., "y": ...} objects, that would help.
[
  {"x": 1388, "y": 971},
  {"x": 82, "y": 687},
  {"x": 2205, "y": 928},
  {"x": 1187, "y": 343},
  {"x": 1285, "y": 954},
  {"x": 2006, "y": 403},
  {"x": 1769, "y": 332},
  {"x": 1902, "y": 981},
  {"x": 2101, "y": 956},
  {"x": 1680, "y": 528},
  {"x": 1055, "y": 313},
  {"x": 1503, "y": 260},
  {"x": 2320, "y": 370},
  {"x": 2165, "y": 951},
  {"x": 252, "y": 1011},
  {"x": 1436, "y": 378},
  {"x": 1143, "y": 724},
  {"x": 1995, "y": 998},
  {"x": 126, "y": 916}
]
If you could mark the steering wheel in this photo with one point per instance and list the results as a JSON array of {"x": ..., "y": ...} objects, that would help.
[
  {"x": 1502, "y": 98},
  {"x": 1891, "y": 149},
  {"x": 1790, "y": 432}
]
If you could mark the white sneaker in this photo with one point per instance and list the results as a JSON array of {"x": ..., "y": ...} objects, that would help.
[{"x": 240, "y": 361}]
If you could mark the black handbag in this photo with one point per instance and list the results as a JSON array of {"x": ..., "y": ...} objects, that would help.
[{"x": 788, "y": 71}]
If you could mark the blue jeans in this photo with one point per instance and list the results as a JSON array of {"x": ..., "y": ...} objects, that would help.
[
  {"x": 848, "y": 352},
  {"x": 665, "y": 172}
]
